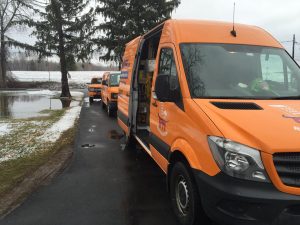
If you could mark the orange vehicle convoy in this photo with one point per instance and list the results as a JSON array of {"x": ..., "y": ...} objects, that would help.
[
  {"x": 110, "y": 90},
  {"x": 94, "y": 89},
  {"x": 218, "y": 110}
]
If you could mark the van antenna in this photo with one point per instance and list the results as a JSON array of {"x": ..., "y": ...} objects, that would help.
[{"x": 233, "y": 32}]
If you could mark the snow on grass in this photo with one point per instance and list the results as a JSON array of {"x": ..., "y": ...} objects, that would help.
[
  {"x": 21, "y": 138},
  {"x": 5, "y": 129},
  {"x": 77, "y": 94},
  {"x": 64, "y": 124}
]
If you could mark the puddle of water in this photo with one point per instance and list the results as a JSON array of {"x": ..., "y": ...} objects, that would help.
[{"x": 21, "y": 105}]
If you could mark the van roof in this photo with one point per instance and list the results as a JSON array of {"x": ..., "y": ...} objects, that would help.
[{"x": 203, "y": 31}]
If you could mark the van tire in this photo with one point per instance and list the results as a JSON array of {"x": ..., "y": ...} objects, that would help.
[
  {"x": 185, "y": 198},
  {"x": 91, "y": 99}
]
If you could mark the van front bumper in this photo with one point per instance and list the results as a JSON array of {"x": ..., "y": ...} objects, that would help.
[
  {"x": 232, "y": 201},
  {"x": 96, "y": 95}
]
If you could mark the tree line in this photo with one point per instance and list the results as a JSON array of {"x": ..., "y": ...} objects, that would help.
[
  {"x": 24, "y": 64},
  {"x": 71, "y": 31}
]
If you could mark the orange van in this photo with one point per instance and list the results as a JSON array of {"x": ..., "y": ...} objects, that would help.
[
  {"x": 94, "y": 89},
  {"x": 218, "y": 110},
  {"x": 110, "y": 90}
]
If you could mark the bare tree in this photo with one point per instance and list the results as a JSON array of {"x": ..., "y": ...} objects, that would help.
[{"x": 12, "y": 12}]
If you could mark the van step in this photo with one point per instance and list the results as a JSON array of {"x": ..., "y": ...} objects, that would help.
[{"x": 147, "y": 149}]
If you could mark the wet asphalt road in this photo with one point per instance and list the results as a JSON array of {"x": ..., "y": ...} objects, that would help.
[{"x": 103, "y": 185}]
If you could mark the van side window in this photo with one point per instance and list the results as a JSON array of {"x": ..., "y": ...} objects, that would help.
[{"x": 167, "y": 66}]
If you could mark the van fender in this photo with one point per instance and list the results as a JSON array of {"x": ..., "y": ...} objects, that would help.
[{"x": 182, "y": 146}]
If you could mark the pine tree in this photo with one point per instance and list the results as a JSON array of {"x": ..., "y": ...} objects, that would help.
[
  {"x": 65, "y": 29},
  {"x": 127, "y": 19}
]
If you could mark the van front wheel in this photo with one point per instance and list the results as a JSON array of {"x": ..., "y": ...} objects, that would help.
[{"x": 185, "y": 197}]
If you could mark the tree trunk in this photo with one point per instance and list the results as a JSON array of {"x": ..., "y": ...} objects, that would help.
[
  {"x": 66, "y": 102},
  {"x": 65, "y": 91},
  {"x": 120, "y": 61},
  {"x": 2, "y": 62}
]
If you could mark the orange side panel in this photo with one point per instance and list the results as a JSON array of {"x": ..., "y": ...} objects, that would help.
[{"x": 123, "y": 126}]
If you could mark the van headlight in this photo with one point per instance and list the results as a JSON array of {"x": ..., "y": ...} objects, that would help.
[{"x": 238, "y": 160}]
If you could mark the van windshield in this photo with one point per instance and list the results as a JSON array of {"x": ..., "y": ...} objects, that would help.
[
  {"x": 240, "y": 71},
  {"x": 114, "y": 80},
  {"x": 96, "y": 81}
]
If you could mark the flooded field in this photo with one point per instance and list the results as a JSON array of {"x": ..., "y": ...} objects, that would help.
[{"x": 28, "y": 104}]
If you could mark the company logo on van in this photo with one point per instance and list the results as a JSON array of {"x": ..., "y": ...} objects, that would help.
[{"x": 162, "y": 121}]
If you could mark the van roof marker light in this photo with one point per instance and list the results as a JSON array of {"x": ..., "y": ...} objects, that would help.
[{"x": 233, "y": 32}]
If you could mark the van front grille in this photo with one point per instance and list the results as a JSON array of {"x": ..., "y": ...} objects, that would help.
[{"x": 288, "y": 168}]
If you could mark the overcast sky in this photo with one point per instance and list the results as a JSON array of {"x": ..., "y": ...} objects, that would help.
[{"x": 280, "y": 17}]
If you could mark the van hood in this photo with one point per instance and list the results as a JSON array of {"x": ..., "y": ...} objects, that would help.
[
  {"x": 114, "y": 90},
  {"x": 268, "y": 125}
]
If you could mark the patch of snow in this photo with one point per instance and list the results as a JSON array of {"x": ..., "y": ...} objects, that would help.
[
  {"x": 42, "y": 93},
  {"x": 37, "y": 123},
  {"x": 65, "y": 123},
  {"x": 7, "y": 158},
  {"x": 5, "y": 129},
  {"x": 77, "y": 94},
  {"x": 79, "y": 77}
]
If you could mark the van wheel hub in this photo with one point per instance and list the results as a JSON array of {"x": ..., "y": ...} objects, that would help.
[{"x": 182, "y": 196}]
